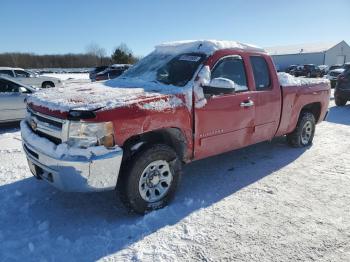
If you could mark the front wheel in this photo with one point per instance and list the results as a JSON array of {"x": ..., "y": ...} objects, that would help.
[
  {"x": 304, "y": 132},
  {"x": 149, "y": 180}
]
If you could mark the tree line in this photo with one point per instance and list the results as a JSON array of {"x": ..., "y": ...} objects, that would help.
[{"x": 94, "y": 56}]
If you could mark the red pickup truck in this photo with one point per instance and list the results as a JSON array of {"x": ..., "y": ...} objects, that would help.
[{"x": 185, "y": 101}]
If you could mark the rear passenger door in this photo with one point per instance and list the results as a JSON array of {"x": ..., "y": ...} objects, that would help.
[{"x": 268, "y": 100}]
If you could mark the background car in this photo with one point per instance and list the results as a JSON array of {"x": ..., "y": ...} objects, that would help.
[
  {"x": 112, "y": 72},
  {"x": 28, "y": 78},
  {"x": 95, "y": 71},
  {"x": 12, "y": 99},
  {"x": 342, "y": 89},
  {"x": 291, "y": 68},
  {"x": 324, "y": 69},
  {"x": 333, "y": 74},
  {"x": 308, "y": 70}
]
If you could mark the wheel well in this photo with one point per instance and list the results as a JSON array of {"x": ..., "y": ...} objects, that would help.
[
  {"x": 172, "y": 137},
  {"x": 314, "y": 108},
  {"x": 47, "y": 82}
]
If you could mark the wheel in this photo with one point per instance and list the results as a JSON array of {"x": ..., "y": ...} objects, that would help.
[
  {"x": 304, "y": 132},
  {"x": 48, "y": 85},
  {"x": 149, "y": 180},
  {"x": 340, "y": 101}
]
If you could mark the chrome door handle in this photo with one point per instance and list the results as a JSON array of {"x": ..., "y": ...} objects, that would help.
[{"x": 248, "y": 103}]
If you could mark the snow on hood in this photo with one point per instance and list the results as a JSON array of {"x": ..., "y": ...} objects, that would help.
[
  {"x": 289, "y": 80},
  {"x": 205, "y": 46},
  {"x": 338, "y": 70},
  {"x": 107, "y": 95}
]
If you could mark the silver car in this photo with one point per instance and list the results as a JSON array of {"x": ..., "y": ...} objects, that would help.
[
  {"x": 12, "y": 99},
  {"x": 30, "y": 79}
]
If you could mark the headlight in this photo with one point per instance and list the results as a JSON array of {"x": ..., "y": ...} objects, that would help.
[{"x": 84, "y": 134}]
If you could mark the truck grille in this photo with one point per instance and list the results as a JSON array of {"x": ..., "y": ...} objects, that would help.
[{"x": 46, "y": 126}]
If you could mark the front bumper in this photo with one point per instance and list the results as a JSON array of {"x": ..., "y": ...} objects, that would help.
[{"x": 71, "y": 172}]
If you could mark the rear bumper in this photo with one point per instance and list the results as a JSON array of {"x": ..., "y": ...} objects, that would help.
[{"x": 75, "y": 173}]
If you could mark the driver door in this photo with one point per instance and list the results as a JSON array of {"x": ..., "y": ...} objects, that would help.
[{"x": 226, "y": 121}]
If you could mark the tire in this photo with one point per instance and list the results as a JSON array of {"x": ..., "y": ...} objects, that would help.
[
  {"x": 154, "y": 169},
  {"x": 340, "y": 101},
  {"x": 304, "y": 132},
  {"x": 48, "y": 85}
]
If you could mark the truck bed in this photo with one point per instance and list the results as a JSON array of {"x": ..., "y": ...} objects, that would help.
[{"x": 296, "y": 97}]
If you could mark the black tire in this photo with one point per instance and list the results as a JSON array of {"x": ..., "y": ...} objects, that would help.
[
  {"x": 298, "y": 137},
  {"x": 340, "y": 101},
  {"x": 48, "y": 85},
  {"x": 128, "y": 184}
]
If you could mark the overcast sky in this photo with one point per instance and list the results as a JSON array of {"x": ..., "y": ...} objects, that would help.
[{"x": 62, "y": 26}]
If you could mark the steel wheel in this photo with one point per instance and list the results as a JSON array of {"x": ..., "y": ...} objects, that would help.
[
  {"x": 306, "y": 132},
  {"x": 155, "y": 181}
]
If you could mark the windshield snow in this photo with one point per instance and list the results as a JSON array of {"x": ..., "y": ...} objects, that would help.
[{"x": 166, "y": 68}]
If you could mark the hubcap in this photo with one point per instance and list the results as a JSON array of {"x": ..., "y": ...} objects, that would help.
[
  {"x": 155, "y": 181},
  {"x": 306, "y": 132}
]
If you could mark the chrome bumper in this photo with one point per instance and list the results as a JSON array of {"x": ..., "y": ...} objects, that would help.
[{"x": 75, "y": 173}]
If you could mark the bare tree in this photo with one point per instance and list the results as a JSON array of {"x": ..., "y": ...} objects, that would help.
[{"x": 97, "y": 51}]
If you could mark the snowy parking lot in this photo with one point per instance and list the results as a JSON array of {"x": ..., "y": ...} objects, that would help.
[{"x": 267, "y": 202}]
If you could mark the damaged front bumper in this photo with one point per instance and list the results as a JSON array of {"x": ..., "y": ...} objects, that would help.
[{"x": 73, "y": 173}]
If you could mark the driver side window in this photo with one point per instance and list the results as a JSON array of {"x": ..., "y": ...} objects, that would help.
[
  {"x": 8, "y": 87},
  {"x": 21, "y": 73},
  {"x": 232, "y": 68}
]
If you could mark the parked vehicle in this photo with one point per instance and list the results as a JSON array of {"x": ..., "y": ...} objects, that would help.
[
  {"x": 111, "y": 72},
  {"x": 30, "y": 79},
  {"x": 332, "y": 67},
  {"x": 342, "y": 89},
  {"x": 333, "y": 74},
  {"x": 309, "y": 70},
  {"x": 12, "y": 99},
  {"x": 290, "y": 69},
  {"x": 95, "y": 71},
  {"x": 183, "y": 102},
  {"x": 324, "y": 69}
]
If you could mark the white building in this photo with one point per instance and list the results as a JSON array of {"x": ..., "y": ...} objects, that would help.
[{"x": 318, "y": 54}]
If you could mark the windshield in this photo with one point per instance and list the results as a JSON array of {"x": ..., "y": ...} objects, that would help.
[{"x": 165, "y": 68}]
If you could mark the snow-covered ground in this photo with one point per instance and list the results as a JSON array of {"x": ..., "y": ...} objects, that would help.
[
  {"x": 267, "y": 202},
  {"x": 69, "y": 76}
]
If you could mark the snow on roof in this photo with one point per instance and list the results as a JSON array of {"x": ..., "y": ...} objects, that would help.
[
  {"x": 205, "y": 46},
  {"x": 300, "y": 48}
]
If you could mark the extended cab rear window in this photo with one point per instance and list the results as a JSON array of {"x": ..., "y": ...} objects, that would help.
[{"x": 261, "y": 73}]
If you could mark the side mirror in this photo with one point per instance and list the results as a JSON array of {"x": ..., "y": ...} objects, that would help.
[
  {"x": 220, "y": 85},
  {"x": 24, "y": 90}
]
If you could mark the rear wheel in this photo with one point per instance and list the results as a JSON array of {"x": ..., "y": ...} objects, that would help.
[
  {"x": 47, "y": 85},
  {"x": 304, "y": 132},
  {"x": 340, "y": 101},
  {"x": 150, "y": 178}
]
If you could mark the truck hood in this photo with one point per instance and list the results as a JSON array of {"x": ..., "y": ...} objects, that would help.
[{"x": 100, "y": 96}]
